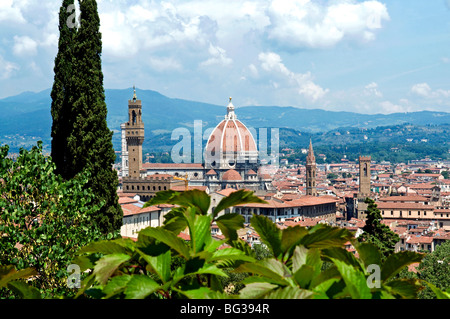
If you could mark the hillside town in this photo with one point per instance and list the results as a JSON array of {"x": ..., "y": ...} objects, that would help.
[{"x": 413, "y": 198}]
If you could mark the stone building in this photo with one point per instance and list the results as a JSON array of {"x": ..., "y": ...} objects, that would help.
[{"x": 230, "y": 159}]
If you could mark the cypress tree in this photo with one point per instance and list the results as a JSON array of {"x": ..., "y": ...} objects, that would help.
[
  {"x": 88, "y": 143},
  {"x": 376, "y": 232},
  {"x": 60, "y": 108}
]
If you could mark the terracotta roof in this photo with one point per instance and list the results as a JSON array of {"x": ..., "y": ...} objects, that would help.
[
  {"x": 133, "y": 209},
  {"x": 251, "y": 172},
  {"x": 226, "y": 191},
  {"x": 127, "y": 200},
  {"x": 231, "y": 175},
  {"x": 211, "y": 172}
]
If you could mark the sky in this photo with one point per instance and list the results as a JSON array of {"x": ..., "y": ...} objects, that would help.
[{"x": 339, "y": 55}]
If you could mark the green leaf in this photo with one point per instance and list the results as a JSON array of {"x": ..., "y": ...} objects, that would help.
[
  {"x": 289, "y": 293},
  {"x": 355, "y": 280},
  {"x": 229, "y": 224},
  {"x": 140, "y": 287},
  {"x": 160, "y": 264},
  {"x": 211, "y": 269},
  {"x": 236, "y": 198},
  {"x": 290, "y": 237},
  {"x": 230, "y": 253},
  {"x": 299, "y": 257},
  {"x": 438, "y": 292},
  {"x": 107, "y": 265},
  {"x": 175, "y": 220},
  {"x": 272, "y": 269},
  {"x": 341, "y": 254},
  {"x": 116, "y": 285},
  {"x": 203, "y": 293},
  {"x": 405, "y": 288},
  {"x": 396, "y": 262},
  {"x": 304, "y": 275},
  {"x": 256, "y": 290},
  {"x": 324, "y": 236},
  {"x": 9, "y": 273},
  {"x": 117, "y": 246},
  {"x": 323, "y": 287},
  {"x": 201, "y": 232},
  {"x": 192, "y": 198},
  {"x": 24, "y": 290},
  {"x": 269, "y": 232},
  {"x": 168, "y": 238},
  {"x": 368, "y": 253}
]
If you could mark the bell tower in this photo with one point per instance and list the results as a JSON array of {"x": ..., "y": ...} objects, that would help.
[
  {"x": 134, "y": 134},
  {"x": 311, "y": 172},
  {"x": 364, "y": 176}
]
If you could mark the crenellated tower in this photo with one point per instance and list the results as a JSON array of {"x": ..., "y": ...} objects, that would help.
[{"x": 134, "y": 135}]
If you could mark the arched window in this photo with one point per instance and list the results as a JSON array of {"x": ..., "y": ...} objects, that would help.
[{"x": 133, "y": 117}]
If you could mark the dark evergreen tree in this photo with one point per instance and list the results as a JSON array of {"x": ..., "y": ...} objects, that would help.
[
  {"x": 88, "y": 143},
  {"x": 60, "y": 108},
  {"x": 376, "y": 232}
]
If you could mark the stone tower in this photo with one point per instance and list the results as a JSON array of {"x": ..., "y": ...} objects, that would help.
[
  {"x": 311, "y": 172},
  {"x": 364, "y": 176},
  {"x": 134, "y": 129}
]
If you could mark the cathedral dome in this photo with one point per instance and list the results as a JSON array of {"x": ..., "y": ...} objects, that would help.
[
  {"x": 230, "y": 142},
  {"x": 231, "y": 175}
]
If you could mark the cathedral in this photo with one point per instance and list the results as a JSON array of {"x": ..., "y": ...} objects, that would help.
[{"x": 230, "y": 160}]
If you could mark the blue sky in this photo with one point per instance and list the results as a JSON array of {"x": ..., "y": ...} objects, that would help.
[{"x": 341, "y": 55}]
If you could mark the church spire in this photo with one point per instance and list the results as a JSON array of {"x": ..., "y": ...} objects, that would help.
[{"x": 310, "y": 158}]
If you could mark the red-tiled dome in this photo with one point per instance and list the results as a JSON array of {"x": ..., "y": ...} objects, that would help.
[
  {"x": 231, "y": 175},
  {"x": 230, "y": 137}
]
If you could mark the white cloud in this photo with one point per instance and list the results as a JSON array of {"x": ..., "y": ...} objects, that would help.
[
  {"x": 301, "y": 82},
  {"x": 7, "y": 68},
  {"x": 304, "y": 23},
  {"x": 218, "y": 57},
  {"x": 10, "y": 10},
  {"x": 424, "y": 90},
  {"x": 371, "y": 89},
  {"x": 24, "y": 45}
]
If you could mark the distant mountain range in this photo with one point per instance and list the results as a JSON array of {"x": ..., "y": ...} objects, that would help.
[{"x": 28, "y": 115}]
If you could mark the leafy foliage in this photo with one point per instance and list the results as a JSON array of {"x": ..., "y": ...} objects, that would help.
[
  {"x": 43, "y": 219},
  {"x": 435, "y": 269},
  {"x": 300, "y": 262},
  {"x": 123, "y": 268}
]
